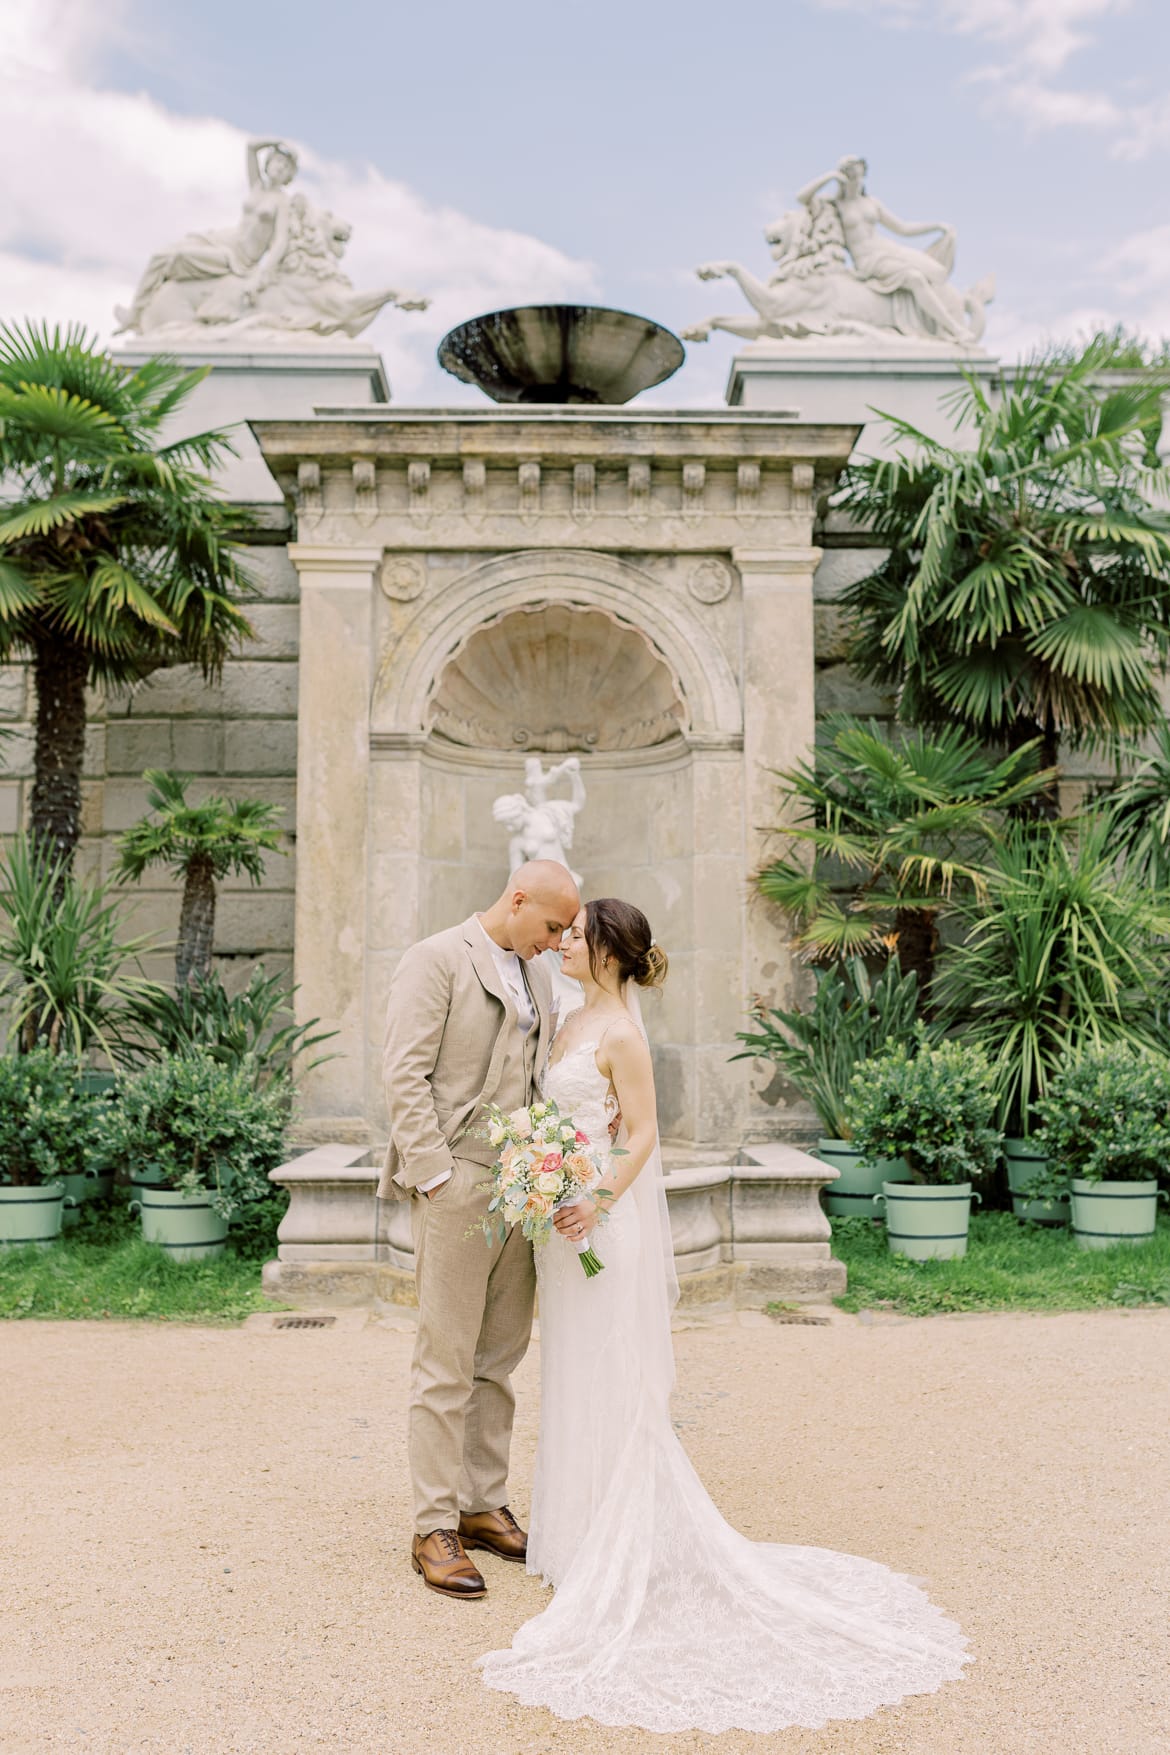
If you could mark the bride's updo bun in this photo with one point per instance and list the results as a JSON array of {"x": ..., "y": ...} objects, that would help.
[{"x": 619, "y": 933}]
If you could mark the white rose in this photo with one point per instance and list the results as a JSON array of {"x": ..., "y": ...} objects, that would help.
[
  {"x": 539, "y": 1111},
  {"x": 548, "y": 1182}
]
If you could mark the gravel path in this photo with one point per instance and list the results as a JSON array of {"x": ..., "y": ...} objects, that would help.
[{"x": 204, "y": 1532}]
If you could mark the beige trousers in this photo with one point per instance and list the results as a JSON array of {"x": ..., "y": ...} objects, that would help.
[{"x": 474, "y": 1324}]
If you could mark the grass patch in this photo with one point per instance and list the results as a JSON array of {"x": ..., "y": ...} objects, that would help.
[
  {"x": 1008, "y": 1266},
  {"x": 103, "y": 1269}
]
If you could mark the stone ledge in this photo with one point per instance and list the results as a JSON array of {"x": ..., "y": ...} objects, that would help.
[
  {"x": 739, "y": 1285},
  {"x": 744, "y": 1234}
]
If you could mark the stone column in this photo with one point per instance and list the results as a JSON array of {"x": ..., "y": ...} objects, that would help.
[
  {"x": 333, "y": 758},
  {"x": 778, "y": 729}
]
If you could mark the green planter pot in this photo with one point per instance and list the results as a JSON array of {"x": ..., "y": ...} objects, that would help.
[
  {"x": 32, "y": 1215},
  {"x": 927, "y": 1223},
  {"x": 141, "y": 1180},
  {"x": 185, "y": 1225},
  {"x": 852, "y": 1195},
  {"x": 1105, "y": 1213},
  {"x": 1025, "y": 1161},
  {"x": 96, "y": 1084},
  {"x": 80, "y": 1187}
]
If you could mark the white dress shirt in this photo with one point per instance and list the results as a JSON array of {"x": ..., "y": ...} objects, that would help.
[{"x": 512, "y": 975}]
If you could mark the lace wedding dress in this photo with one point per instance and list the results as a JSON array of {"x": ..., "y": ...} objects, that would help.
[{"x": 663, "y": 1616}]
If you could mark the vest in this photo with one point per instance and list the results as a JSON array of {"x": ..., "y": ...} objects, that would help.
[{"x": 515, "y": 1089}]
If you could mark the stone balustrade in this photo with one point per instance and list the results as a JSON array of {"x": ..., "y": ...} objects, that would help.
[{"x": 744, "y": 1234}]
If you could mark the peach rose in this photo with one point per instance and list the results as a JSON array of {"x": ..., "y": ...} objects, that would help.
[
  {"x": 552, "y": 1161},
  {"x": 579, "y": 1167}
]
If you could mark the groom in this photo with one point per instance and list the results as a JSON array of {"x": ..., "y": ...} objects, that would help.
[{"x": 468, "y": 1023}]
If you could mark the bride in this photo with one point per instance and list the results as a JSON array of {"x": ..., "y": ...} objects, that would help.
[{"x": 664, "y": 1616}]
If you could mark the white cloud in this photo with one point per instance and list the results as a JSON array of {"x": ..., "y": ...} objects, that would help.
[
  {"x": 1035, "y": 40},
  {"x": 94, "y": 180}
]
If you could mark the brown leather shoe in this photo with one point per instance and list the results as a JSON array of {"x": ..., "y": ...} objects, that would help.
[
  {"x": 497, "y": 1531},
  {"x": 444, "y": 1566}
]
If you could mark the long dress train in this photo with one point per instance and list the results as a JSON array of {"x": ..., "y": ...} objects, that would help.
[{"x": 663, "y": 1616}]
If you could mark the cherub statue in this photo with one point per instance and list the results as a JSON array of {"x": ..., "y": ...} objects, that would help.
[{"x": 540, "y": 827}]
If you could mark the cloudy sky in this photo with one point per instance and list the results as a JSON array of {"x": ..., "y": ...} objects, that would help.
[{"x": 493, "y": 154}]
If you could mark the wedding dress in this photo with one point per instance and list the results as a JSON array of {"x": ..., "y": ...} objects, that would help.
[{"x": 664, "y": 1617}]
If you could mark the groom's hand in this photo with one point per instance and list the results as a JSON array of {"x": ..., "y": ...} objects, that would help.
[{"x": 576, "y": 1221}]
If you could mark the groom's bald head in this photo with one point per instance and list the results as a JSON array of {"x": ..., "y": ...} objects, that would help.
[{"x": 539, "y": 903}]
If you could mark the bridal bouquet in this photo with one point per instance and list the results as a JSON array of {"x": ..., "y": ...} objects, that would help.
[{"x": 545, "y": 1163}]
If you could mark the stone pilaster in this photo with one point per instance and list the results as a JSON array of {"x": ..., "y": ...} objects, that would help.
[
  {"x": 779, "y": 725},
  {"x": 333, "y": 758}
]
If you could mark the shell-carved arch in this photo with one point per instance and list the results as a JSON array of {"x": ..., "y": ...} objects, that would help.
[{"x": 582, "y": 579}]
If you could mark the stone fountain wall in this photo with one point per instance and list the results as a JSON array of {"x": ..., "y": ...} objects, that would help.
[{"x": 688, "y": 535}]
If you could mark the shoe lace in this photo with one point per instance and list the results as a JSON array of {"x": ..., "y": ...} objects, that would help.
[
  {"x": 452, "y": 1546},
  {"x": 508, "y": 1518}
]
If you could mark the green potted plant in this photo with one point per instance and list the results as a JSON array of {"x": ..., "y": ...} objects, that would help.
[
  {"x": 1106, "y": 1130},
  {"x": 1064, "y": 952},
  {"x": 206, "y": 1136},
  {"x": 850, "y": 1018},
  {"x": 933, "y": 1108},
  {"x": 44, "y": 1144}
]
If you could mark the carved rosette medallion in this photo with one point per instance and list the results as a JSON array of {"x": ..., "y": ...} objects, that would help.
[
  {"x": 709, "y": 582},
  {"x": 401, "y": 579}
]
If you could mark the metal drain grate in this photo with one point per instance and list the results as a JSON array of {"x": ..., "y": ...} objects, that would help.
[{"x": 304, "y": 1322}]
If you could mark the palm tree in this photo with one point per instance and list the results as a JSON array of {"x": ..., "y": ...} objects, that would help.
[
  {"x": 201, "y": 843},
  {"x": 893, "y": 827},
  {"x": 113, "y": 551},
  {"x": 1139, "y": 811},
  {"x": 1027, "y": 590}
]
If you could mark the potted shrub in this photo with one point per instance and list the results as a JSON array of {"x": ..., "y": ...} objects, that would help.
[
  {"x": 44, "y": 1140},
  {"x": 933, "y": 1108},
  {"x": 205, "y": 1135},
  {"x": 1037, "y": 1197},
  {"x": 1106, "y": 1129},
  {"x": 850, "y": 1019}
]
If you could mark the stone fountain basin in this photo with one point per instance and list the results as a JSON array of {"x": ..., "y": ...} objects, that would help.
[{"x": 561, "y": 353}]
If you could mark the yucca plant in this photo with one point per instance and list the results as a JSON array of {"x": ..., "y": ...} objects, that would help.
[
  {"x": 897, "y": 825},
  {"x": 1066, "y": 952},
  {"x": 851, "y": 1018},
  {"x": 254, "y": 1027},
  {"x": 201, "y": 843},
  {"x": 114, "y": 557},
  {"x": 1026, "y": 594},
  {"x": 68, "y": 975}
]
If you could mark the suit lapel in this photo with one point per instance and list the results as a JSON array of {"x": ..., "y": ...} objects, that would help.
[
  {"x": 484, "y": 964},
  {"x": 540, "y": 987}
]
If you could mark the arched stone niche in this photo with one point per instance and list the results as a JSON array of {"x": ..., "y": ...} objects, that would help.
[
  {"x": 447, "y": 618},
  {"x": 559, "y": 665},
  {"x": 555, "y": 678}
]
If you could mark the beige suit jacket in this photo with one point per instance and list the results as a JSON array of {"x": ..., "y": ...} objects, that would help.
[{"x": 446, "y": 1040}]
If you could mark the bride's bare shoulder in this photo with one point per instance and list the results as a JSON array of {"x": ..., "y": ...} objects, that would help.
[{"x": 623, "y": 1044}]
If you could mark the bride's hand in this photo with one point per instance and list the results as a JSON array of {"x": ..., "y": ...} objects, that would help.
[{"x": 577, "y": 1221}]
